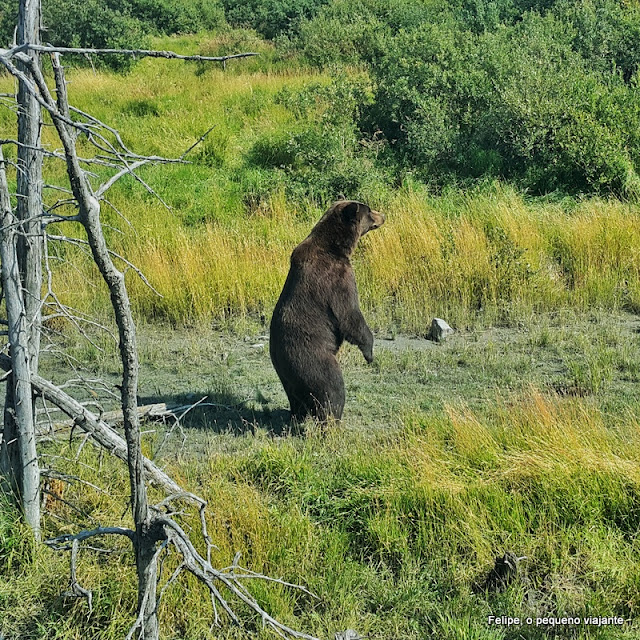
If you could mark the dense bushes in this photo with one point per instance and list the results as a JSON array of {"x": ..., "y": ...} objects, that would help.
[
  {"x": 175, "y": 16},
  {"x": 115, "y": 23},
  {"x": 355, "y": 31},
  {"x": 543, "y": 93},
  {"x": 322, "y": 156},
  {"x": 92, "y": 23},
  {"x": 540, "y": 92},
  {"x": 519, "y": 103},
  {"x": 270, "y": 18}
]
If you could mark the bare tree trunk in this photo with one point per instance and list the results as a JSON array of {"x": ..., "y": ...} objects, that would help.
[
  {"x": 29, "y": 256},
  {"x": 30, "y": 182},
  {"x": 150, "y": 526},
  {"x": 146, "y": 535},
  {"x": 27, "y": 470}
]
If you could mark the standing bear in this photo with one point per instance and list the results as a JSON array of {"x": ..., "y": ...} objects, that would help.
[{"x": 318, "y": 309}]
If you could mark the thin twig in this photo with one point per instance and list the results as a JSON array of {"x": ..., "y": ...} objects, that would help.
[
  {"x": 76, "y": 591},
  {"x": 51, "y": 473},
  {"x": 198, "y": 141},
  {"x": 62, "y": 543}
]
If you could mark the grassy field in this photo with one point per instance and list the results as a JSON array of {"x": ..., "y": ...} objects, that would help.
[
  {"x": 519, "y": 434},
  {"x": 482, "y": 255},
  {"x": 521, "y": 440}
]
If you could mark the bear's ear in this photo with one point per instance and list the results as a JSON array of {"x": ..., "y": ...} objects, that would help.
[{"x": 350, "y": 211}]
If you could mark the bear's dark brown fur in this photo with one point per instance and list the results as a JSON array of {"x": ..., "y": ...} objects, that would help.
[{"x": 318, "y": 309}]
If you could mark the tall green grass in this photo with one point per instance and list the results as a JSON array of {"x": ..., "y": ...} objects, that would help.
[
  {"x": 396, "y": 533},
  {"x": 487, "y": 257}
]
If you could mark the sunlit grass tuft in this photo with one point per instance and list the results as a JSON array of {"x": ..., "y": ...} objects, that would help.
[{"x": 497, "y": 259}]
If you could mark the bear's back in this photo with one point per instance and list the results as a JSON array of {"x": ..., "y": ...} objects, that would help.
[{"x": 303, "y": 313}]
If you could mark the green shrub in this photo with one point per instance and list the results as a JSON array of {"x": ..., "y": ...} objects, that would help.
[
  {"x": 93, "y": 24},
  {"x": 430, "y": 88},
  {"x": 556, "y": 121},
  {"x": 518, "y": 103},
  {"x": 177, "y": 16},
  {"x": 270, "y": 18},
  {"x": 538, "y": 91},
  {"x": 355, "y": 31},
  {"x": 323, "y": 155},
  {"x": 487, "y": 15},
  {"x": 115, "y": 24},
  {"x": 343, "y": 32},
  {"x": 606, "y": 33}
]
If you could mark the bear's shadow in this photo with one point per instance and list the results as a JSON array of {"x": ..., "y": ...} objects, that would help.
[{"x": 222, "y": 413}]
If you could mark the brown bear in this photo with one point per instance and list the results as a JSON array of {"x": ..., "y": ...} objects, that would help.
[{"x": 318, "y": 309}]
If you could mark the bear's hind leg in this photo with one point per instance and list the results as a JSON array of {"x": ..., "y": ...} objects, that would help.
[
  {"x": 319, "y": 392},
  {"x": 299, "y": 404},
  {"x": 299, "y": 410},
  {"x": 328, "y": 394}
]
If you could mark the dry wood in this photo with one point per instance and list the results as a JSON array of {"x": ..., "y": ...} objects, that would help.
[
  {"x": 22, "y": 242},
  {"x": 156, "y": 411},
  {"x": 139, "y": 53},
  {"x": 25, "y": 464},
  {"x": 102, "y": 432},
  {"x": 29, "y": 180}
]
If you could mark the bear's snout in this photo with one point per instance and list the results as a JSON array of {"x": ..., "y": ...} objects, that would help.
[{"x": 378, "y": 219}]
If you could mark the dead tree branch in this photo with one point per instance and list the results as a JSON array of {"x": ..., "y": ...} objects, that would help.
[
  {"x": 103, "y": 433},
  {"x": 136, "y": 53},
  {"x": 64, "y": 542},
  {"x": 75, "y": 590},
  {"x": 154, "y": 531}
]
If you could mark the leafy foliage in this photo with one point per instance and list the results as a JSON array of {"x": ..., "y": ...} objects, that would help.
[
  {"x": 322, "y": 157},
  {"x": 176, "y": 16},
  {"x": 542, "y": 93},
  {"x": 122, "y": 24},
  {"x": 93, "y": 24},
  {"x": 270, "y": 17},
  {"x": 355, "y": 31}
]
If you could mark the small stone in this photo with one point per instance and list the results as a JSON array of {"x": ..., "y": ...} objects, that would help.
[
  {"x": 439, "y": 330},
  {"x": 349, "y": 634}
]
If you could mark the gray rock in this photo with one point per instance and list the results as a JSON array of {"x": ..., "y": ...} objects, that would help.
[
  {"x": 439, "y": 330},
  {"x": 349, "y": 634}
]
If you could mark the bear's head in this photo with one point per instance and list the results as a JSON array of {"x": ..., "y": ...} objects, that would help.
[{"x": 344, "y": 224}]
